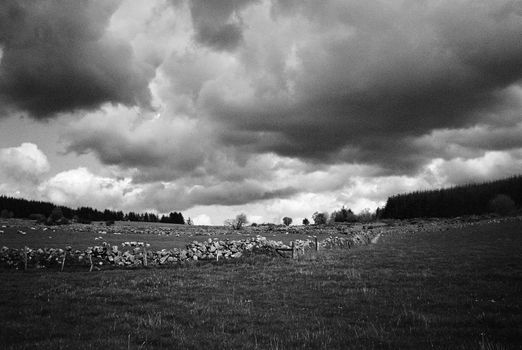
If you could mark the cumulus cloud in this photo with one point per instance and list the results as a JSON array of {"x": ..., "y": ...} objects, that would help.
[
  {"x": 491, "y": 165},
  {"x": 80, "y": 187},
  {"x": 25, "y": 163},
  {"x": 58, "y": 56}
]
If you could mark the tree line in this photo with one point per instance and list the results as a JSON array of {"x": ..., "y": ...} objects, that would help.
[
  {"x": 500, "y": 196},
  {"x": 23, "y": 208}
]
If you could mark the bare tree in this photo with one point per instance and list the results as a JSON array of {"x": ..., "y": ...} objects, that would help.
[{"x": 238, "y": 222}]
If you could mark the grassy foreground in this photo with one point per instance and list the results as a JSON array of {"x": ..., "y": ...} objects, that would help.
[{"x": 457, "y": 289}]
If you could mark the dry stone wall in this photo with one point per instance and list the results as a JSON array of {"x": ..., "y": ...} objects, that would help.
[{"x": 135, "y": 253}]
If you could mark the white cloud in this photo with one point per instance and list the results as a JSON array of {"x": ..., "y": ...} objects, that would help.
[
  {"x": 201, "y": 219},
  {"x": 80, "y": 187},
  {"x": 490, "y": 166},
  {"x": 22, "y": 164}
]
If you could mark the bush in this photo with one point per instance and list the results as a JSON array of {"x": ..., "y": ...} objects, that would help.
[
  {"x": 320, "y": 218},
  {"x": 502, "y": 205},
  {"x": 306, "y": 222},
  {"x": 287, "y": 221}
]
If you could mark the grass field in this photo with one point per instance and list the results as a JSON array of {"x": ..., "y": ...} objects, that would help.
[
  {"x": 456, "y": 289},
  {"x": 39, "y": 236}
]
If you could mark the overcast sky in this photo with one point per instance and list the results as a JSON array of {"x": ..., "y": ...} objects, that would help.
[{"x": 268, "y": 107}]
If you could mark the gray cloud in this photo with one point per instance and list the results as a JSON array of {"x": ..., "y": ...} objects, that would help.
[
  {"x": 218, "y": 23},
  {"x": 223, "y": 193},
  {"x": 58, "y": 57},
  {"x": 340, "y": 81},
  {"x": 159, "y": 149},
  {"x": 391, "y": 86},
  {"x": 373, "y": 77}
]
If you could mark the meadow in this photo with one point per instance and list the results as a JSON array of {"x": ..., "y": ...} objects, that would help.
[
  {"x": 458, "y": 288},
  {"x": 16, "y": 233}
]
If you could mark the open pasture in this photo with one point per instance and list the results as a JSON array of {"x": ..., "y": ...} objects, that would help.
[
  {"x": 20, "y": 233},
  {"x": 458, "y": 289}
]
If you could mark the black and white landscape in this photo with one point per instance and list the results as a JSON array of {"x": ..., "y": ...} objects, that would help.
[{"x": 269, "y": 174}]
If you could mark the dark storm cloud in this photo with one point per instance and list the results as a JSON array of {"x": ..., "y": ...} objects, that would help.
[
  {"x": 217, "y": 24},
  {"x": 58, "y": 57},
  {"x": 224, "y": 193},
  {"x": 372, "y": 77}
]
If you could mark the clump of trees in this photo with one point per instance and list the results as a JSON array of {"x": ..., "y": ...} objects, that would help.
[
  {"x": 472, "y": 199},
  {"x": 343, "y": 215},
  {"x": 287, "y": 221},
  {"x": 238, "y": 222},
  {"x": 306, "y": 222},
  {"x": 320, "y": 218},
  {"x": 174, "y": 218},
  {"x": 22, "y": 208}
]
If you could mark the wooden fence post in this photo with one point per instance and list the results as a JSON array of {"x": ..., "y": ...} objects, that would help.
[
  {"x": 63, "y": 260},
  {"x": 25, "y": 258},
  {"x": 316, "y": 244},
  {"x": 90, "y": 261},
  {"x": 145, "y": 256},
  {"x": 293, "y": 250}
]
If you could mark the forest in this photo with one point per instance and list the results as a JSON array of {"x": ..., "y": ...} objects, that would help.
[
  {"x": 23, "y": 208},
  {"x": 500, "y": 196}
]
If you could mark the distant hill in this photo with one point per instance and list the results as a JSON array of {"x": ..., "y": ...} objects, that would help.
[
  {"x": 471, "y": 199},
  {"x": 23, "y": 208}
]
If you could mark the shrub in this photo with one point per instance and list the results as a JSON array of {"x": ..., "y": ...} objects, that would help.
[{"x": 306, "y": 222}]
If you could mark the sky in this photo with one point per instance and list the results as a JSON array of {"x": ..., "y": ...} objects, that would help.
[{"x": 272, "y": 108}]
